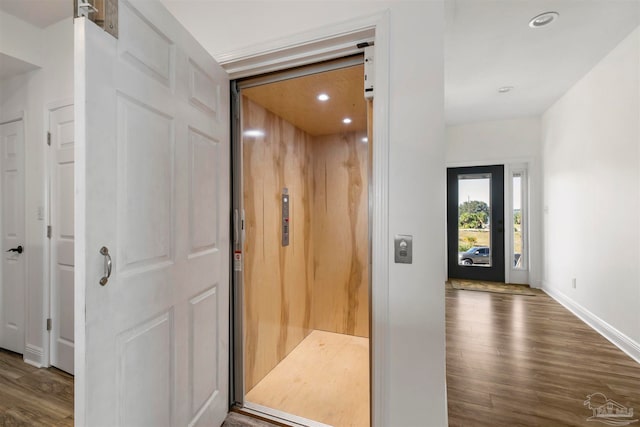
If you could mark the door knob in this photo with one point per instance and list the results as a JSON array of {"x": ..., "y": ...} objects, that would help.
[{"x": 19, "y": 249}]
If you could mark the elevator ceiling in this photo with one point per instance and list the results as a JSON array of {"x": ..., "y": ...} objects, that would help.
[{"x": 296, "y": 100}]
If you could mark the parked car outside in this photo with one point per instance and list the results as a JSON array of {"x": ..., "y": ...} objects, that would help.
[{"x": 475, "y": 255}]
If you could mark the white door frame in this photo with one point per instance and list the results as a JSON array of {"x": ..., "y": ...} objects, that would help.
[
  {"x": 326, "y": 43},
  {"x": 47, "y": 300}
]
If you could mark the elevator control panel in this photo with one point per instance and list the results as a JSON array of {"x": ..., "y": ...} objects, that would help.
[
  {"x": 285, "y": 217},
  {"x": 403, "y": 249}
]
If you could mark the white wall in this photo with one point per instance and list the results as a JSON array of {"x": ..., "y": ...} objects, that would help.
[
  {"x": 20, "y": 39},
  {"x": 416, "y": 366},
  {"x": 591, "y": 173},
  {"x": 32, "y": 92},
  {"x": 510, "y": 142},
  {"x": 493, "y": 141}
]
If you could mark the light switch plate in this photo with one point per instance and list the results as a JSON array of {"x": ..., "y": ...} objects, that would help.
[{"x": 403, "y": 249}]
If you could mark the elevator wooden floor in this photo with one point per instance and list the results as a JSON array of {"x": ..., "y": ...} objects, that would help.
[
  {"x": 325, "y": 378},
  {"x": 517, "y": 360},
  {"x": 33, "y": 397}
]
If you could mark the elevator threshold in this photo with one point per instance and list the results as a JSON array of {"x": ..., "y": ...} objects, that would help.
[{"x": 325, "y": 379}]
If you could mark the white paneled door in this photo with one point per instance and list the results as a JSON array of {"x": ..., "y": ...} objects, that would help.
[
  {"x": 12, "y": 226},
  {"x": 152, "y": 186},
  {"x": 62, "y": 237}
]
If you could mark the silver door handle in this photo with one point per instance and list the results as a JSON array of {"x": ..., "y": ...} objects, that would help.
[{"x": 107, "y": 265}]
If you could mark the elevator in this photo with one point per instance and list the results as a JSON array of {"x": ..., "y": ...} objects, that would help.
[{"x": 302, "y": 246}]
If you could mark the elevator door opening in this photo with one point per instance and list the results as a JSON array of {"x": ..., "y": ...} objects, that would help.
[{"x": 302, "y": 250}]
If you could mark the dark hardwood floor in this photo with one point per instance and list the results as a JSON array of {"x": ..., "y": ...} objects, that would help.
[
  {"x": 516, "y": 360},
  {"x": 33, "y": 397}
]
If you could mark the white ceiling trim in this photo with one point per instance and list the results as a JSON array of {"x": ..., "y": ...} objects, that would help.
[{"x": 305, "y": 48}]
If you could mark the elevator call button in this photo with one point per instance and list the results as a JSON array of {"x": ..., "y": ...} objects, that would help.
[{"x": 403, "y": 249}]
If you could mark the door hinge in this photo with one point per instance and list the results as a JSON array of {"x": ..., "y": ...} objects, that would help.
[
  {"x": 49, "y": 139},
  {"x": 48, "y": 324},
  {"x": 48, "y": 231}
]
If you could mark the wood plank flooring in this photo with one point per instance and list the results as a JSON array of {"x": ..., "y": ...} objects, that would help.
[
  {"x": 325, "y": 379},
  {"x": 516, "y": 360},
  {"x": 33, "y": 397}
]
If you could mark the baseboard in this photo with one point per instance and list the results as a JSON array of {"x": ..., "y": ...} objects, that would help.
[
  {"x": 535, "y": 284},
  {"x": 33, "y": 355},
  {"x": 617, "y": 338}
]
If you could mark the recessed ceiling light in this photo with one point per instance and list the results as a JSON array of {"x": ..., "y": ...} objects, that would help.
[
  {"x": 253, "y": 133},
  {"x": 543, "y": 19},
  {"x": 365, "y": 139},
  {"x": 323, "y": 97},
  {"x": 505, "y": 89},
  {"x": 346, "y": 120}
]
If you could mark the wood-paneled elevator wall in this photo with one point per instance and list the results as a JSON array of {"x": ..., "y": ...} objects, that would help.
[{"x": 321, "y": 280}]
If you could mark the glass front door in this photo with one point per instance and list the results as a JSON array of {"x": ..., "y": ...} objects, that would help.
[{"x": 475, "y": 223}]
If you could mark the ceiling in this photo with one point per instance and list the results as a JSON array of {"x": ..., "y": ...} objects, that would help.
[
  {"x": 40, "y": 13},
  {"x": 295, "y": 100},
  {"x": 488, "y": 44}
]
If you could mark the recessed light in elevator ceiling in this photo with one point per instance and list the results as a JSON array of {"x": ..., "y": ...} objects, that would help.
[
  {"x": 253, "y": 133},
  {"x": 543, "y": 19}
]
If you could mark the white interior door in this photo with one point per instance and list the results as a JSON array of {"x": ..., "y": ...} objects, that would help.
[
  {"x": 13, "y": 236},
  {"x": 152, "y": 186},
  {"x": 62, "y": 237}
]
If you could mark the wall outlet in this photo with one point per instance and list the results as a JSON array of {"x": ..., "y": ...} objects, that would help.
[{"x": 573, "y": 283}]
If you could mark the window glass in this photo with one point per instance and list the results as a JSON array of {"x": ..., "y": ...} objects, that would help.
[
  {"x": 474, "y": 220},
  {"x": 517, "y": 185}
]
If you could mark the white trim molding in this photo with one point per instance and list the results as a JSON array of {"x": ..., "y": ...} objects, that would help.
[
  {"x": 617, "y": 338},
  {"x": 300, "y": 49},
  {"x": 331, "y": 42},
  {"x": 33, "y": 355},
  {"x": 380, "y": 238},
  {"x": 47, "y": 303}
]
